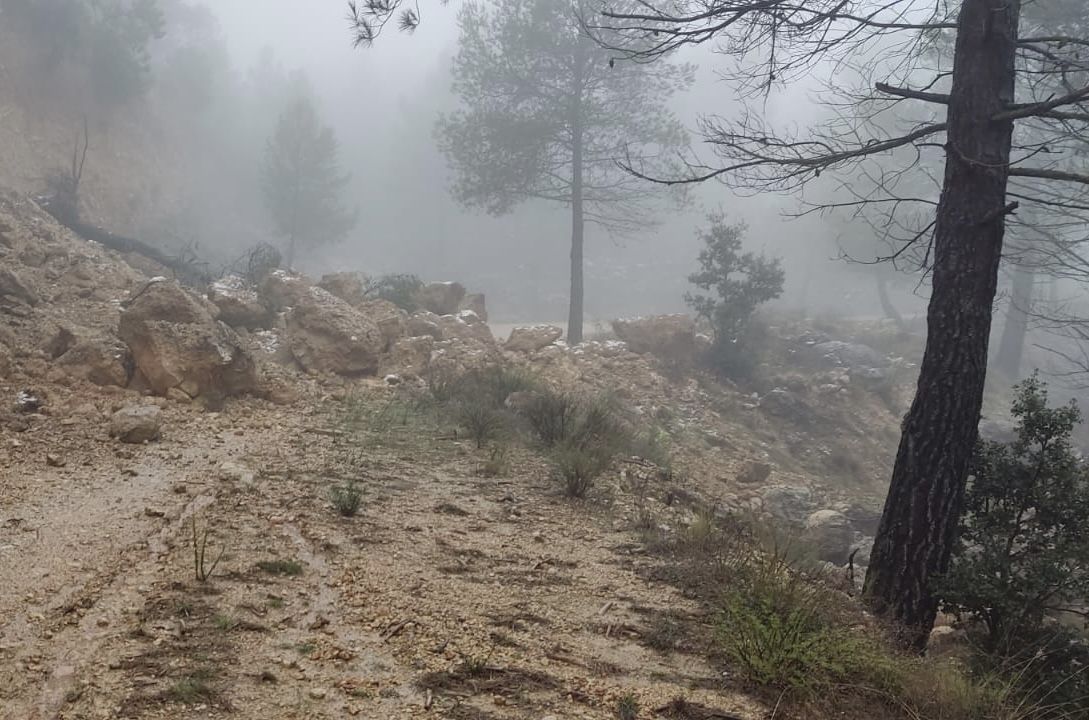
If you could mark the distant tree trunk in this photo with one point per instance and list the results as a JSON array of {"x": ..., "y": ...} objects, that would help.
[
  {"x": 886, "y": 303},
  {"x": 578, "y": 227},
  {"x": 918, "y": 526},
  {"x": 1011, "y": 347},
  {"x": 578, "y": 221}
]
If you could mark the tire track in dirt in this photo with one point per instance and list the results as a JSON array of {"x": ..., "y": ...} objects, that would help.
[{"x": 89, "y": 550}]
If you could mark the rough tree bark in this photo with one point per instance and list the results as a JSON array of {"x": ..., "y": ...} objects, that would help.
[
  {"x": 918, "y": 525},
  {"x": 1011, "y": 348}
]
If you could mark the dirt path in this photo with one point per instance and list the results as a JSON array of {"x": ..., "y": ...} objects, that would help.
[{"x": 450, "y": 595}]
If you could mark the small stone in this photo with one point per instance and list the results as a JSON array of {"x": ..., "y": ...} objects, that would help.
[
  {"x": 53, "y": 460},
  {"x": 136, "y": 423},
  {"x": 317, "y": 693}
]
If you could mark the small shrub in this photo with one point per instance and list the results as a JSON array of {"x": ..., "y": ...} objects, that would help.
[
  {"x": 193, "y": 689},
  {"x": 552, "y": 416},
  {"x": 346, "y": 498},
  {"x": 482, "y": 421},
  {"x": 281, "y": 567},
  {"x": 202, "y": 570},
  {"x": 401, "y": 290},
  {"x": 627, "y": 707},
  {"x": 579, "y": 466},
  {"x": 498, "y": 462}
]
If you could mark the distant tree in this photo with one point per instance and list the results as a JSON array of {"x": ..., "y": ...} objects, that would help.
[
  {"x": 738, "y": 283},
  {"x": 302, "y": 180},
  {"x": 547, "y": 115},
  {"x": 107, "y": 39}
]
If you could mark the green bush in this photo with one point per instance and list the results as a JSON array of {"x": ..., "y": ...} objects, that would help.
[
  {"x": 482, "y": 421},
  {"x": 1021, "y": 560},
  {"x": 552, "y": 416},
  {"x": 579, "y": 466},
  {"x": 346, "y": 498},
  {"x": 736, "y": 284}
]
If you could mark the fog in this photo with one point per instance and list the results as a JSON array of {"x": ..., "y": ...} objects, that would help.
[{"x": 383, "y": 102}]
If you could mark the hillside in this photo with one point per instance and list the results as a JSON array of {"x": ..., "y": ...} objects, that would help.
[{"x": 467, "y": 586}]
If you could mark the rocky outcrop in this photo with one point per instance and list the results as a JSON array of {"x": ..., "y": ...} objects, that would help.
[
  {"x": 409, "y": 357},
  {"x": 390, "y": 319},
  {"x": 348, "y": 286},
  {"x": 280, "y": 290},
  {"x": 136, "y": 423},
  {"x": 176, "y": 343},
  {"x": 423, "y": 323},
  {"x": 327, "y": 335},
  {"x": 532, "y": 339},
  {"x": 441, "y": 298},
  {"x": 855, "y": 357},
  {"x": 476, "y": 303},
  {"x": 238, "y": 304},
  {"x": 829, "y": 535},
  {"x": 671, "y": 337},
  {"x": 467, "y": 327},
  {"x": 13, "y": 287}
]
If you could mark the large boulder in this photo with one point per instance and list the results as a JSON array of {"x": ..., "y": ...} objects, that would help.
[
  {"x": 327, "y": 335},
  {"x": 348, "y": 286},
  {"x": 409, "y": 357},
  {"x": 476, "y": 303},
  {"x": 390, "y": 319},
  {"x": 136, "y": 423},
  {"x": 423, "y": 323},
  {"x": 441, "y": 298},
  {"x": 176, "y": 343},
  {"x": 15, "y": 287},
  {"x": 532, "y": 339},
  {"x": 238, "y": 303},
  {"x": 102, "y": 361},
  {"x": 280, "y": 290},
  {"x": 467, "y": 327},
  {"x": 829, "y": 535},
  {"x": 792, "y": 504},
  {"x": 670, "y": 337}
]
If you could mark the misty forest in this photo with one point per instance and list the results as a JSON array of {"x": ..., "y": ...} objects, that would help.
[{"x": 544, "y": 359}]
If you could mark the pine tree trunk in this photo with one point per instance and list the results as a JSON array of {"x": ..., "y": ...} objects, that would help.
[
  {"x": 918, "y": 526},
  {"x": 578, "y": 226},
  {"x": 886, "y": 304},
  {"x": 1011, "y": 348},
  {"x": 578, "y": 221}
]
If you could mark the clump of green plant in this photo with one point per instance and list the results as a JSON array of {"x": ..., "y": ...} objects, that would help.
[
  {"x": 346, "y": 498},
  {"x": 627, "y": 707},
  {"x": 736, "y": 283},
  {"x": 481, "y": 421},
  {"x": 552, "y": 416},
  {"x": 193, "y": 688},
  {"x": 579, "y": 465},
  {"x": 1024, "y": 538},
  {"x": 399, "y": 289},
  {"x": 281, "y": 567},
  {"x": 202, "y": 569}
]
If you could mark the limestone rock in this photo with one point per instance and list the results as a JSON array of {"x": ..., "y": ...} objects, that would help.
[
  {"x": 136, "y": 423},
  {"x": 239, "y": 305},
  {"x": 790, "y": 503},
  {"x": 280, "y": 290},
  {"x": 670, "y": 337},
  {"x": 348, "y": 286},
  {"x": 441, "y": 298},
  {"x": 423, "y": 323},
  {"x": 326, "y": 334},
  {"x": 476, "y": 303},
  {"x": 856, "y": 357},
  {"x": 531, "y": 339},
  {"x": 409, "y": 357},
  {"x": 176, "y": 343},
  {"x": 390, "y": 319},
  {"x": 13, "y": 286},
  {"x": 101, "y": 361},
  {"x": 466, "y": 326}
]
